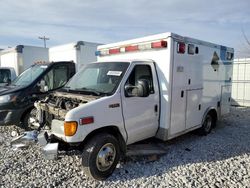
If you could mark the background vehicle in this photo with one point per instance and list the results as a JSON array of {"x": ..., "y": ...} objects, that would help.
[
  {"x": 80, "y": 52},
  {"x": 7, "y": 75},
  {"x": 22, "y": 57},
  {"x": 17, "y": 99},
  {"x": 158, "y": 86},
  {"x": 40, "y": 79}
]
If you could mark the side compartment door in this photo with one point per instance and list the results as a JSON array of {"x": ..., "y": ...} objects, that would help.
[
  {"x": 186, "y": 107},
  {"x": 178, "y": 93},
  {"x": 141, "y": 114},
  {"x": 193, "y": 112}
]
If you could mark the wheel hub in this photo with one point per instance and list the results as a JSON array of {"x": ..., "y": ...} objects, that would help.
[
  {"x": 105, "y": 157},
  {"x": 208, "y": 123}
]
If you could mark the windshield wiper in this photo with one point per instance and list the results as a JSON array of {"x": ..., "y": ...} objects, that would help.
[
  {"x": 66, "y": 88},
  {"x": 84, "y": 90},
  {"x": 90, "y": 90}
]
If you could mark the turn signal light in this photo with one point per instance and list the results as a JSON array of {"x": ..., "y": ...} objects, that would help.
[{"x": 70, "y": 128}]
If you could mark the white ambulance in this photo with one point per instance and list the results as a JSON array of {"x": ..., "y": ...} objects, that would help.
[{"x": 158, "y": 86}]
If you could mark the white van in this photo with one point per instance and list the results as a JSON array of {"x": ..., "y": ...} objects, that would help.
[{"x": 158, "y": 86}]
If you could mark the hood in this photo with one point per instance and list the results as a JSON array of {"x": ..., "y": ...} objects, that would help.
[{"x": 4, "y": 90}]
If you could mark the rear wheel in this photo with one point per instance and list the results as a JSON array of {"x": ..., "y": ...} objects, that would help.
[
  {"x": 207, "y": 125},
  {"x": 100, "y": 156}
]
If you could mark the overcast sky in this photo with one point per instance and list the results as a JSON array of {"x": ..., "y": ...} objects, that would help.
[{"x": 106, "y": 21}]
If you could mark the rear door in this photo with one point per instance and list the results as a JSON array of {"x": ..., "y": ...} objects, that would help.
[{"x": 141, "y": 114}]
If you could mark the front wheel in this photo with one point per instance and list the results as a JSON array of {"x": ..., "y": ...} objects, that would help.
[
  {"x": 100, "y": 156},
  {"x": 29, "y": 121}
]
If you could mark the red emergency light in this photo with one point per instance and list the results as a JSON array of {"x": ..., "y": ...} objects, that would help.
[
  {"x": 114, "y": 51},
  {"x": 131, "y": 48},
  {"x": 161, "y": 44}
]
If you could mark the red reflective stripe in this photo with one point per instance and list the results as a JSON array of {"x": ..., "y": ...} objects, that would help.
[
  {"x": 114, "y": 51},
  {"x": 131, "y": 48},
  {"x": 161, "y": 44}
]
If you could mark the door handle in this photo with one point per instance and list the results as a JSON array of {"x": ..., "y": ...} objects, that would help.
[
  {"x": 182, "y": 93},
  {"x": 156, "y": 108}
]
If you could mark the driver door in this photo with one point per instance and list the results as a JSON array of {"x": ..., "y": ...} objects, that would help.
[
  {"x": 52, "y": 80},
  {"x": 141, "y": 114}
]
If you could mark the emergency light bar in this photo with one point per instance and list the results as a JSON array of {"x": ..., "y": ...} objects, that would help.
[
  {"x": 132, "y": 48},
  {"x": 39, "y": 62}
]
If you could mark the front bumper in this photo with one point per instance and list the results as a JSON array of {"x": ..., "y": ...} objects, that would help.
[
  {"x": 10, "y": 117},
  {"x": 57, "y": 132},
  {"x": 57, "y": 129}
]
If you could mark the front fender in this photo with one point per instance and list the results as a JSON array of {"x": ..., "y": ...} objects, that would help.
[{"x": 105, "y": 111}]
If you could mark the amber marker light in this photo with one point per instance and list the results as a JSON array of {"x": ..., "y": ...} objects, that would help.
[{"x": 70, "y": 128}]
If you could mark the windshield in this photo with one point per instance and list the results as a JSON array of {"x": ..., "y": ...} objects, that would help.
[
  {"x": 98, "y": 78},
  {"x": 28, "y": 76}
]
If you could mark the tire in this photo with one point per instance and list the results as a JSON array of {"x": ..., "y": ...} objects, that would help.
[
  {"x": 28, "y": 119},
  {"x": 100, "y": 156},
  {"x": 208, "y": 124}
]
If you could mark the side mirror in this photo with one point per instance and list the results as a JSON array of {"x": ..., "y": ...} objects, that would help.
[
  {"x": 43, "y": 87},
  {"x": 140, "y": 90},
  {"x": 46, "y": 88},
  {"x": 8, "y": 81}
]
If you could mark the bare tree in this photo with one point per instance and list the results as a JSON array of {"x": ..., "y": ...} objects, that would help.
[
  {"x": 244, "y": 50},
  {"x": 245, "y": 37}
]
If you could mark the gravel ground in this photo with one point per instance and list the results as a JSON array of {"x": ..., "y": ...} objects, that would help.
[{"x": 221, "y": 159}]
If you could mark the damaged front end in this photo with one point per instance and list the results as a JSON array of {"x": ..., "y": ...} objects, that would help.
[
  {"x": 56, "y": 105},
  {"x": 50, "y": 116}
]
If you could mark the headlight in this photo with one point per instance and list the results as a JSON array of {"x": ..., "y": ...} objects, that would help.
[
  {"x": 7, "y": 98},
  {"x": 4, "y": 98}
]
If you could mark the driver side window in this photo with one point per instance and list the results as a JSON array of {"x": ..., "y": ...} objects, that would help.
[
  {"x": 56, "y": 77},
  {"x": 141, "y": 72}
]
